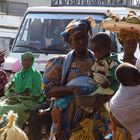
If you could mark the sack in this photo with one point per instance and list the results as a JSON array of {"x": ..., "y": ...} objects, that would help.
[
  {"x": 85, "y": 133},
  {"x": 8, "y": 129}
]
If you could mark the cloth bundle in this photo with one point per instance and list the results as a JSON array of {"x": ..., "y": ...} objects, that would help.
[
  {"x": 85, "y": 133},
  {"x": 8, "y": 129}
]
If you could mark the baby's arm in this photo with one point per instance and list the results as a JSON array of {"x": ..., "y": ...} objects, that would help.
[
  {"x": 103, "y": 91},
  {"x": 107, "y": 83}
]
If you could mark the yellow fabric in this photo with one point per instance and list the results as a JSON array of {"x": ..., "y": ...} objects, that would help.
[
  {"x": 10, "y": 131},
  {"x": 85, "y": 133},
  {"x": 119, "y": 133}
]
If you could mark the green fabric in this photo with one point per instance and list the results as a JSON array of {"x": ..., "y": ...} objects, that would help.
[
  {"x": 14, "y": 99},
  {"x": 21, "y": 105},
  {"x": 115, "y": 83},
  {"x": 28, "y": 79}
]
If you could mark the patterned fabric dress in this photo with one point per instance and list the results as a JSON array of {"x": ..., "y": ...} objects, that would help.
[
  {"x": 105, "y": 68},
  {"x": 52, "y": 77}
]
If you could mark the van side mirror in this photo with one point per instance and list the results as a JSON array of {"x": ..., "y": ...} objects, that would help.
[{"x": 11, "y": 43}]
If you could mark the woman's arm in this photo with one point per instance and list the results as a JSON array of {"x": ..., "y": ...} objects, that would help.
[{"x": 61, "y": 91}]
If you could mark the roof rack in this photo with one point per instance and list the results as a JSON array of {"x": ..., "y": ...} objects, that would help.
[{"x": 118, "y": 3}]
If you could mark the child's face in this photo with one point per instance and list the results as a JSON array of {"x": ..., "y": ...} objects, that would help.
[{"x": 100, "y": 51}]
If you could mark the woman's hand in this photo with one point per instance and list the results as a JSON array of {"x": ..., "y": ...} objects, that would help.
[
  {"x": 26, "y": 92},
  {"x": 105, "y": 84},
  {"x": 62, "y": 91}
]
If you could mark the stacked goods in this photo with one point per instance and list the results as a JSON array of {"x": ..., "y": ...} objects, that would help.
[{"x": 130, "y": 23}]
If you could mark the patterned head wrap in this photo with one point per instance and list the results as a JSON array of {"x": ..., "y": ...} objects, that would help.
[{"x": 78, "y": 25}]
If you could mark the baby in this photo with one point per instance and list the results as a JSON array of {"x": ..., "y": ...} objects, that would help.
[
  {"x": 103, "y": 70},
  {"x": 125, "y": 104}
]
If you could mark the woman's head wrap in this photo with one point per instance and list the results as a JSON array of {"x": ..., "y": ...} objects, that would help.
[
  {"x": 78, "y": 25},
  {"x": 28, "y": 54}
]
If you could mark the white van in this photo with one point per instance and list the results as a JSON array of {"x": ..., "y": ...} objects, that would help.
[{"x": 40, "y": 32}]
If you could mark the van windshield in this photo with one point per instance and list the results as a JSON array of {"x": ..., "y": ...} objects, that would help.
[{"x": 40, "y": 32}]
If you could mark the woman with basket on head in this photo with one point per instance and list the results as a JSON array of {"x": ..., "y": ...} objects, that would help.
[{"x": 128, "y": 29}]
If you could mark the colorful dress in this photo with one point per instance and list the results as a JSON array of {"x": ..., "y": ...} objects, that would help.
[{"x": 52, "y": 77}]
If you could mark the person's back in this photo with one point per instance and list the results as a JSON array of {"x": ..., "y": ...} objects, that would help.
[{"x": 126, "y": 100}]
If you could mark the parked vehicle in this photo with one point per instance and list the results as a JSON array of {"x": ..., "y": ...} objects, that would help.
[{"x": 40, "y": 32}]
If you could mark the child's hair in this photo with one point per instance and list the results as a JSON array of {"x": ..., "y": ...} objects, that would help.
[
  {"x": 102, "y": 38},
  {"x": 125, "y": 70}
]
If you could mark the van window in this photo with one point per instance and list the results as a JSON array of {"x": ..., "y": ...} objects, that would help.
[{"x": 40, "y": 32}]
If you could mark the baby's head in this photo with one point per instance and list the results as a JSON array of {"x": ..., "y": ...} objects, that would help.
[
  {"x": 101, "y": 45},
  {"x": 128, "y": 75}
]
